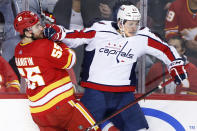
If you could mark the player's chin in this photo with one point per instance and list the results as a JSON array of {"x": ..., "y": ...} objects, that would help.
[
  {"x": 131, "y": 34},
  {"x": 41, "y": 36}
]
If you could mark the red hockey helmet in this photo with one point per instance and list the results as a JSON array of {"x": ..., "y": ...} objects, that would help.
[{"x": 24, "y": 20}]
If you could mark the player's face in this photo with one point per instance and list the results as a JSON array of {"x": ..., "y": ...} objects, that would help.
[
  {"x": 37, "y": 31},
  {"x": 131, "y": 27},
  {"x": 177, "y": 45}
]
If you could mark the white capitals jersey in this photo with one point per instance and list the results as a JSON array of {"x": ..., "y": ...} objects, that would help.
[{"x": 110, "y": 59}]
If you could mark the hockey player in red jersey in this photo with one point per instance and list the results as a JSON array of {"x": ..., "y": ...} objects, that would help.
[
  {"x": 181, "y": 16},
  {"x": 8, "y": 80},
  {"x": 181, "y": 19},
  {"x": 109, "y": 66},
  {"x": 42, "y": 63}
]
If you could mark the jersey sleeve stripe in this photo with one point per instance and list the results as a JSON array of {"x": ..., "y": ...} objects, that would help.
[
  {"x": 14, "y": 83},
  {"x": 15, "y": 86},
  {"x": 170, "y": 34},
  {"x": 81, "y": 34},
  {"x": 71, "y": 59},
  {"x": 172, "y": 28},
  {"x": 163, "y": 48}
]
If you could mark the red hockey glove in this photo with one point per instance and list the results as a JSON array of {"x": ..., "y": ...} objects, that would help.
[
  {"x": 54, "y": 32},
  {"x": 177, "y": 71}
]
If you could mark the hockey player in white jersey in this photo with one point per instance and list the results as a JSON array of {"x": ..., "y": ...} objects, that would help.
[{"x": 109, "y": 65}]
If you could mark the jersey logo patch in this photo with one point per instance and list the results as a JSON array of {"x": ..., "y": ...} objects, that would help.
[
  {"x": 117, "y": 51},
  {"x": 20, "y": 52}
]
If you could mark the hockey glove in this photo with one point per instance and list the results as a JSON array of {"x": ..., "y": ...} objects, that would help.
[
  {"x": 189, "y": 34},
  {"x": 177, "y": 71},
  {"x": 48, "y": 17},
  {"x": 54, "y": 32}
]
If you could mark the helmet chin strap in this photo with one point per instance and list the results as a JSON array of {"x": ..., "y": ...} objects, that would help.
[{"x": 122, "y": 29}]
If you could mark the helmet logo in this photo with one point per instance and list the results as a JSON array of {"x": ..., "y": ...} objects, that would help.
[
  {"x": 20, "y": 18},
  {"x": 128, "y": 12}
]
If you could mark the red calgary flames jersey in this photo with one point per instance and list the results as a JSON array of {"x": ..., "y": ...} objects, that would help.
[
  {"x": 8, "y": 79},
  {"x": 42, "y": 63},
  {"x": 179, "y": 17}
]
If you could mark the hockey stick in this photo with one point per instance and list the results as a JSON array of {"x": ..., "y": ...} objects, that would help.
[
  {"x": 41, "y": 11},
  {"x": 130, "y": 104},
  {"x": 40, "y": 6}
]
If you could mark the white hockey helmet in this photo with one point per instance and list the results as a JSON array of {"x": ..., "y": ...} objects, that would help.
[{"x": 128, "y": 12}]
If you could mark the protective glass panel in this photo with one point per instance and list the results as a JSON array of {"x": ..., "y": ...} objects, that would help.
[{"x": 76, "y": 14}]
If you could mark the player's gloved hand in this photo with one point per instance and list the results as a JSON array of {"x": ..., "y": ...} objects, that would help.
[
  {"x": 189, "y": 34},
  {"x": 177, "y": 71},
  {"x": 54, "y": 32}
]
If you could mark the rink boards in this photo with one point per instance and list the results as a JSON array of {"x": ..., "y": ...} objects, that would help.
[{"x": 163, "y": 112}]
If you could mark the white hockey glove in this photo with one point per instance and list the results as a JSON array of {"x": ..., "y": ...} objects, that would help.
[
  {"x": 54, "y": 32},
  {"x": 189, "y": 34},
  {"x": 177, "y": 71}
]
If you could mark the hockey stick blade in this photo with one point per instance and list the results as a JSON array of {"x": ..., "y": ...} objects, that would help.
[{"x": 130, "y": 104}]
